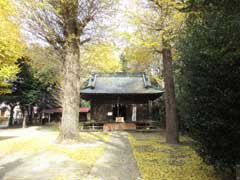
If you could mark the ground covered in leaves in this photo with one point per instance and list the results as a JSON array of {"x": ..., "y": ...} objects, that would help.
[
  {"x": 33, "y": 153},
  {"x": 157, "y": 160},
  {"x": 29, "y": 153}
]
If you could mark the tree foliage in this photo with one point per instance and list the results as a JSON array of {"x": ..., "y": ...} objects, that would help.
[
  {"x": 11, "y": 46},
  {"x": 27, "y": 88},
  {"x": 47, "y": 69},
  {"x": 159, "y": 23},
  {"x": 100, "y": 57},
  {"x": 210, "y": 84},
  {"x": 46, "y": 63}
]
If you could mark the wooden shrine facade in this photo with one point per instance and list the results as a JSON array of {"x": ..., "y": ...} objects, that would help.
[{"x": 120, "y": 97}]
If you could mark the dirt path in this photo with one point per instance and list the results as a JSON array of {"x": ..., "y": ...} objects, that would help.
[{"x": 117, "y": 163}]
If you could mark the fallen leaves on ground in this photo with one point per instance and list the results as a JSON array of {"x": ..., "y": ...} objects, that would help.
[
  {"x": 158, "y": 160},
  {"x": 46, "y": 142}
]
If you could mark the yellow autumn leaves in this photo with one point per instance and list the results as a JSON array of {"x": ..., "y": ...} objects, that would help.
[
  {"x": 157, "y": 160},
  {"x": 100, "y": 58},
  {"x": 35, "y": 144},
  {"x": 11, "y": 46}
]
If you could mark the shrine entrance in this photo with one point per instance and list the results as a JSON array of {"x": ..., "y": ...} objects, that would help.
[{"x": 119, "y": 112}]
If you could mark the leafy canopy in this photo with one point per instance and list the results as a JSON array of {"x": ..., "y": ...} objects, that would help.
[
  {"x": 11, "y": 45},
  {"x": 100, "y": 58}
]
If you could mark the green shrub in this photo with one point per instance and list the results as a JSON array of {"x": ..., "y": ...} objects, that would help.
[
  {"x": 158, "y": 111},
  {"x": 210, "y": 80}
]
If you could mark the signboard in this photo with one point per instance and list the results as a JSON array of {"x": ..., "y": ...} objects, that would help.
[
  {"x": 119, "y": 119},
  {"x": 109, "y": 113}
]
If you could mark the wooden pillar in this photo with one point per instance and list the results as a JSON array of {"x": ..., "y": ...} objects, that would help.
[
  {"x": 49, "y": 118},
  {"x": 150, "y": 109},
  {"x": 88, "y": 116},
  {"x": 93, "y": 111}
]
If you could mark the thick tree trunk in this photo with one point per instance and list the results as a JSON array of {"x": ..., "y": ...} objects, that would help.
[
  {"x": 71, "y": 94},
  {"x": 172, "y": 135}
]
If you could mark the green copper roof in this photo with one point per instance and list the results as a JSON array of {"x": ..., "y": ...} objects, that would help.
[{"x": 120, "y": 83}]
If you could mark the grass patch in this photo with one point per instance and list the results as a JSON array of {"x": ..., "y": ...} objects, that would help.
[{"x": 158, "y": 160}]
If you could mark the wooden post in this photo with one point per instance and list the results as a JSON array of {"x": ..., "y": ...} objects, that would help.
[
  {"x": 24, "y": 123},
  {"x": 49, "y": 118},
  {"x": 41, "y": 118},
  {"x": 150, "y": 109},
  {"x": 88, "y": 116}
]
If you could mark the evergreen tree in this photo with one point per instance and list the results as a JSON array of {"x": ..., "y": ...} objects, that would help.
[{"x": 210, "y": 83}]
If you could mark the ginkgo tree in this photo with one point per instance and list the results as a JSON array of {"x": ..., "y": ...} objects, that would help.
[
  {"x": 159, "y": 23},
  {"x": 65, "y": 25},
  {"x": 11, "y": 45},
  {"x": 101, "y": 57}
]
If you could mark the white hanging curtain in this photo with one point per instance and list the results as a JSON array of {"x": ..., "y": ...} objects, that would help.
[{"x": 134, "y": 113}]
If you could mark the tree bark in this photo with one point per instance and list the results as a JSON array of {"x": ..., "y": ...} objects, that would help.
[
  {"x": 71, "y": 94},
  {"x": 11, "y": 115},
  {"x": 172, "y": 135},
  {"x": 24, "y": 122},
  {"x": 30, "y": 114}
]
